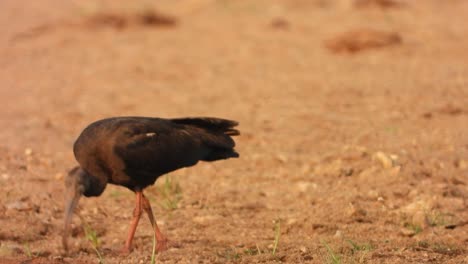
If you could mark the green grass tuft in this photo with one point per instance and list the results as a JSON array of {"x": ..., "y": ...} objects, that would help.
[
  {"x": 153, "y": 253},
  {"x": 277, "y": 236},
  {"x": 229, "y": 254},
  {"x": 333, "y": 257},
  {"x": 27, "y": 250},
  {"x": 414, "y": 227},
  {"x": 171, "y": 194},
  {"x": 437, "y": 218},
  {"x": 92, "y": 237}
]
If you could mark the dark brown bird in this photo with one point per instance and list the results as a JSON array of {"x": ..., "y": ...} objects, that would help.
[{"x": 134, "y": 151}]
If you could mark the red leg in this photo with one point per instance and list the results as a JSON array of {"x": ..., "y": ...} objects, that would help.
[
  {"x": 136, "y": 217},
  {"x": 162, "y": 240}
]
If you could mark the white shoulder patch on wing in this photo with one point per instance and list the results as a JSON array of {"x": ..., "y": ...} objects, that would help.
[{"x": 150, "y": 134}]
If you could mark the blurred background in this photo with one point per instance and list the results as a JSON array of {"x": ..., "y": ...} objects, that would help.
[{"x": 353, "y": 116}]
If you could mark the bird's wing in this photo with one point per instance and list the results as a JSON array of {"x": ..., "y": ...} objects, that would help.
[{"x": 158, "y": 149}]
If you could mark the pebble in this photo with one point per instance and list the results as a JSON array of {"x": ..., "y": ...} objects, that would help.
[
  {"x": 58, "y": 176},
  {"x": 205, "y": 218},
  {"x": 384, "y": 159},
  {"x": 303, "y": 186},
  {"x": 28, "y": 152},
  {"x": 291, "y": 221},
  {"x": 338, "y": 234},
  {"x": 282, "y": 158},
  {"x": 407, "y": 232},
  {"x": 18, "y": 205}
]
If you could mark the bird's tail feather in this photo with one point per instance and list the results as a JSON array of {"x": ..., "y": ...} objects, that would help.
[
  {"x": 215, "y": 133},
  {"x": 210, "y": 123}
]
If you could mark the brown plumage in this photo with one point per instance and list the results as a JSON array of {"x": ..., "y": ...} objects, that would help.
[{"x": 134, "y": 151}]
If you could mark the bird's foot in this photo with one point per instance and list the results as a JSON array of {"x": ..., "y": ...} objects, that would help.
[
  {"x": 162, "y": 244},
  {"x": 125, "y": 251}
]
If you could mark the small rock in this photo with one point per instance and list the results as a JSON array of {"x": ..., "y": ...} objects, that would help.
[
  {"x": 282, "y": 158},
  {"x": 346, "y": 172},
  {"x": 18, "y": 205},
  {"x": 280, "y": 23},
  {"x": 338, "y": 234},
  {"x": 407, "y": 232},
  {"x": 5, "y": 176},
  {"x": 205, "y": 218},
  {"x": 303, "y": 249},
  {"x": 57, "y": 258},
  {"x": 350, "y": 210},
  {"x": 380, "y": 199},
  {"x": 303, "y": 186},
  {"x": 58, "y": 176},
  {"x": 362, "y": 39},
  {"x": 291, "y": 221},
  {"x": 421, "y": 205},
  {"x": 384, "y": 159},
  {"x": 28, "y": 152}
]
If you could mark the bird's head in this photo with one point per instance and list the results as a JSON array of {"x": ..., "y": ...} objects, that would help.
[{"x": 77, "y": 183}]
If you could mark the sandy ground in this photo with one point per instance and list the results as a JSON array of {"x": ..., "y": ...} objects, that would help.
[{"x": 345, "y": 157}]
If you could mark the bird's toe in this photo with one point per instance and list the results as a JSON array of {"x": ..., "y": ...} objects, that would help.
[
  {"x": 125, "y": 251},
  {"x": 162, "y": 245}
]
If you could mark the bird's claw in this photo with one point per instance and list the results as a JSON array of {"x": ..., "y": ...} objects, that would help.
[
  {"x": 125, "y": 251},
  {"x": 162, "y": 245}
]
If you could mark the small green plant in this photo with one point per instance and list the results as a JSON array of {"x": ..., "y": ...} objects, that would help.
[
  {"x": 229, "y": 254},
  {"x": 436, "y": 218},
  {"x": 153, "y": 253},
  {"x": 414, "y": 227},
  {"x": 359, "y": 251},
  {"x": 92, "y": 237},
  {"x": 27, "y": 250},
  {"x": 250, "y": 252},
  {"x": 333, "y": 257},
  {"x": 171, "y": 194},
  {"x": 277, "y": 236},
  {"x": 355, "y": 247},
  {"x": 441, "y": 248}
]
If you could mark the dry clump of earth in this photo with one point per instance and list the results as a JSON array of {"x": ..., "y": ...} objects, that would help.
[{"x": 362, "y": 39}]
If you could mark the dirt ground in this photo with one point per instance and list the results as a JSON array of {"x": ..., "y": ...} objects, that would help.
[{"x": 346, "y": 157}]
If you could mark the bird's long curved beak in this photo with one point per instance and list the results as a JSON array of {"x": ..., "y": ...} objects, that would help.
[{"x": 73, "y": 194}]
